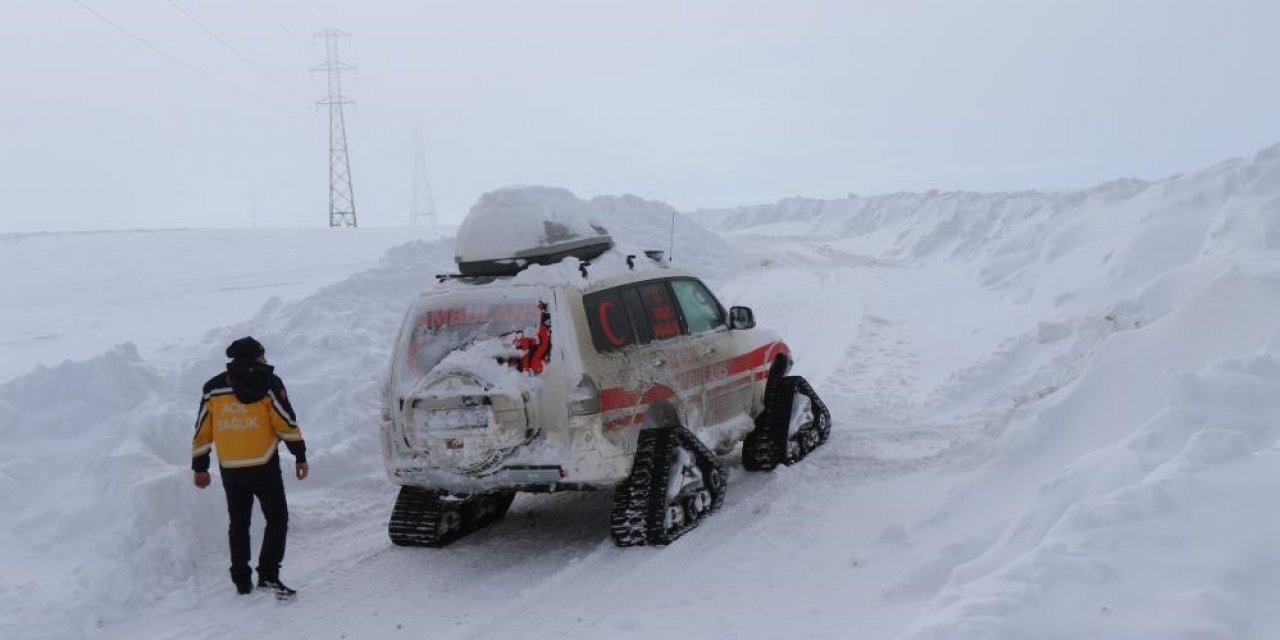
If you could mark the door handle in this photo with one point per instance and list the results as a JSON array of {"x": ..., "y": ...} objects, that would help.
[{"x": 707, "y": 352}]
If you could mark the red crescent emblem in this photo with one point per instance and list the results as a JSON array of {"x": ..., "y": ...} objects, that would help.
[{"x": 603, "y": 309}]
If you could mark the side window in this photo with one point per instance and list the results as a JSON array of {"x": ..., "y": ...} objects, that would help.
[
  {"x": 659, "y": 310},
  {"x": 701, "y": 311},
  {"x": 639, "y": 317},
  {"x": 609, "y": 321}
]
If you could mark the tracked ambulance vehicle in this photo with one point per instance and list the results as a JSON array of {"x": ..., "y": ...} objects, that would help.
[{"x": 554, "y": 361}]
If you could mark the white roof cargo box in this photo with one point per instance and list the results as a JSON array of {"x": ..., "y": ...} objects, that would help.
[{"x": 514, "y": 227}]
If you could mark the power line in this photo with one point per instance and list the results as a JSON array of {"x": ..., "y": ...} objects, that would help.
[
  {"x": 303, "y": 47},
  {"x": 178, "y": 61},
  {"x": 273, "y": 18},
  {"x": 233, "y": 49}
]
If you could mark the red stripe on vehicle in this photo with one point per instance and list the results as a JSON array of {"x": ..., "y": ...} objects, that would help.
[
  {"x": 623, "y": 421},
  {"x": 617, "y": 398},
  {"x": 762, "y": 356}
]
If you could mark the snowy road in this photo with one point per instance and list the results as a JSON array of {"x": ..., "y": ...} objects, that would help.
[{"x": 550, "y": 571}]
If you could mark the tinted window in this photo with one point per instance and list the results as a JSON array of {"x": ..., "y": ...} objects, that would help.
[
  {"x": 639, "y": 317},
  {"x": 609, "y": 321},
  {"x": 659, "y": 310},
  {"x": 701, "y": 311}
]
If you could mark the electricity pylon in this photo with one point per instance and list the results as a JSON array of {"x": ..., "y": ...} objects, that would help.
[
  {"x": 422, "y": 208},
  {"x": 342, "y": 203}
]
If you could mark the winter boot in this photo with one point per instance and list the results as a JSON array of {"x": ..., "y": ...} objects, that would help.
[
  {"x": 282, "y": 592},
  {"x": 243, "y": 581}
]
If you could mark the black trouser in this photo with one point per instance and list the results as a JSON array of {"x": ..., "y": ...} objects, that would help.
[{"x": 242, "y": 486}]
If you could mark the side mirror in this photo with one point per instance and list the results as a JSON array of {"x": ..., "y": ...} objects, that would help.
[{"x": 741, "y": 318}]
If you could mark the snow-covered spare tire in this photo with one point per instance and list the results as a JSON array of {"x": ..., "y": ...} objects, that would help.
[
  {"x": 466, "y": 424},
  {"x": 511, "y": 228}
]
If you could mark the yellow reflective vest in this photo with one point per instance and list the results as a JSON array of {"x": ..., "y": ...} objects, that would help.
[{"x": 243, "y": 435}]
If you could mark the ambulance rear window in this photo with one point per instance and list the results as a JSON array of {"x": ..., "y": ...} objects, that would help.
[{"x": 610, "y": 323}]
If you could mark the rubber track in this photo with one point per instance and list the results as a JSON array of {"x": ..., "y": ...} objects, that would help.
[
  {"x": 630, "y": 498},
  {"x": 760, "y": 447},
  {"x": 418, "y": 514},
  {"x": 814, "y": 436},
  {"x": 640, "y": 501},
  {"x": 767, "y": 445}
]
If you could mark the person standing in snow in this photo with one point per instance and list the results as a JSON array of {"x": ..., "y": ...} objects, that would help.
[{"x": 243, "y": 414}]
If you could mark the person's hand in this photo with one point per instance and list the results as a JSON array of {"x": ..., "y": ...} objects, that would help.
[
  {"x": 300, "y": 470},
  {"x": 201, "y": 479}
]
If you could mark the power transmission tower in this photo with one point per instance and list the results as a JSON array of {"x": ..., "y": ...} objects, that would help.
[
  {"x": 342, "y": 205},
  {"x": 420, "y": 216}
]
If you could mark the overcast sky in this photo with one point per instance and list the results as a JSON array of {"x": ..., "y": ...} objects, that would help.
[{"x": 700, "y": 104}]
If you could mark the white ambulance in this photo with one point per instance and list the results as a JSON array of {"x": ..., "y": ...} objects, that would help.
[{"x": 572, "y": 365}]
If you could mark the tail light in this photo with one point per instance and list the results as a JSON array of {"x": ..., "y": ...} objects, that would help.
[{"x": 584, "y": 399}]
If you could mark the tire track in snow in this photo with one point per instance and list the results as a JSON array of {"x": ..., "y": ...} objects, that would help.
[{"x": 879, "y": 393}]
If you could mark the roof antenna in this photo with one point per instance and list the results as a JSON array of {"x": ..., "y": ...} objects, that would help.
[{"x": 671, "y": 249}]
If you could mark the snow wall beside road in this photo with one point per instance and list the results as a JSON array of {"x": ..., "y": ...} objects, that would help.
[{"x": 1130, "y": 487}]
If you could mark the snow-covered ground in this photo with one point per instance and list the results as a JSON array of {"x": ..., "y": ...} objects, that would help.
[
  {"x": 70, "y": 295},
  {"x": 1055, "y": 416}
]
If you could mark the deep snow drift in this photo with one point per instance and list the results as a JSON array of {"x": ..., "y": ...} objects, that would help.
[
  {"x": 1135, "y": 395},
  {"x": 1053, "y": 418}
]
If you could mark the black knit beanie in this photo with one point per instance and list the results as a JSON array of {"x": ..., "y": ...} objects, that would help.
[{"x": 245, "y": 349}]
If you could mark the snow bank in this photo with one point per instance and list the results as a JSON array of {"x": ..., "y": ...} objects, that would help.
[
  {"x": 1138, "y": 487},
  {"x": 1129, "y": 494},
  {"x": 102, "y": 515},
  {"x": 1166, "y": 531},
  {"x": 1127, "y": 490},
  {"x": 1226, "y": 210},
  {"x": 89, "y": 447}
]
